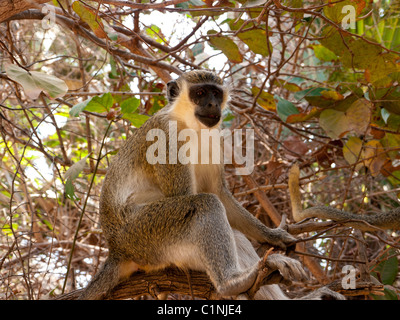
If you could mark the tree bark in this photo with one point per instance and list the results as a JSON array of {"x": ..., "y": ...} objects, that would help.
[
  {"x": 172, "y": 280},
  {"x": 10, "y": 7}
]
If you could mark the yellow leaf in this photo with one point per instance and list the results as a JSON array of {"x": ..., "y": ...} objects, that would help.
[
  {"x": 351, "y": 151},
  {"x": 374, "y": 156},
  {"x": 73, "y": 84},
  {"x": 265, "y": 99},
  {"x": 90, "y": 17},
  {"x": 332, "y": 95}
]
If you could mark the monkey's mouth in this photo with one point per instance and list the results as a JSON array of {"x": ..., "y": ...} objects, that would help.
[
  {"x": 209, "y": 120},
  {"x": 211, "y": 116}
]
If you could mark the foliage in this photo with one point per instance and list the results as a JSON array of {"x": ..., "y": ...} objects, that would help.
[{"x": 315, "y": 90}]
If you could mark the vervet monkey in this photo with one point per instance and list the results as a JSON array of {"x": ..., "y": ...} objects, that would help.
[
  {"x": 383, "y": 220},
  {"x": 156, "y": 215}
]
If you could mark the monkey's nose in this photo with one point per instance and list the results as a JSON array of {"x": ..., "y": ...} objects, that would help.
[{"x": 212, "y": 104}]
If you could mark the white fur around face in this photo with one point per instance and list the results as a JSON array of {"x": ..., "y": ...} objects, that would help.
[{"x": 183, "y": 111}]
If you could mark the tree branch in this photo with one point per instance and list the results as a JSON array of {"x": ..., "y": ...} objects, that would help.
[
  {"x": 10, "y": 7},
  {"x": 170, "y": 280},
  {"x": 161, "y": 68}
]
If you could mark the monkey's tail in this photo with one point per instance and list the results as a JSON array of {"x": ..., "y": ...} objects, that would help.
[
  {"x": 389, "y": 220},
  {"x": 294, "y": 191},
  {"x": 106, "y": 279}
]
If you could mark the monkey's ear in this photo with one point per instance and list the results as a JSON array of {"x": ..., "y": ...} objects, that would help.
[{"x": 172, "y": 90}]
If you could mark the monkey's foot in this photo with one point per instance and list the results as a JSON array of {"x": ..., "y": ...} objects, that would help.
[
  {"x": 289, "y": 268},
  {"x": 276, "y": 268}
]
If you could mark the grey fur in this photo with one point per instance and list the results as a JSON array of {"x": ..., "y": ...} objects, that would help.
[{"x": 156, "y": 215}]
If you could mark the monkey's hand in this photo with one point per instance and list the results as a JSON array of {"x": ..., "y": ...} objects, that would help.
[{"x": 279, "y": 238}]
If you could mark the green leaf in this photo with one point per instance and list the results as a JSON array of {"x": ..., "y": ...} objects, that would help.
[
  {"x": 314, "y": 97},
  {"x": 104, "y": 102},
  {"x": 111, "y": 33},
  {"x": 155, "y": 32},
  {"x": 333, "y": 41},
  {"x": 226, "y": 45},
  {"x": 69, "y": 190},
  {"x": 324, "y": 54},
  {"x": 285, "y": 108},
  {"x": 294, "y": 4},
  {"x": 391, "y": 141},
  {"x": 334, "y": 123},
  {"x": 8, "y": 230},
  {"x": 378, "y": 69},
  {"x": 256, "y": 41},
  {"x": 394, "y": 179},
  {"x": 196, "y": 3},
  {"x": 35, "y": 82},
  {"x": 130, "y": 105},
  {"x": 198, "y": 48},
  {"x": 357, "y": 53},
  {"x": 135, "y": 119},
  {"x": 78, "y": 108},
  {"x": 334, "y": 11},
  {"x": 229, "y": 117},
  {"x": 310, "y": 92},
  {"x": 319, "y": 97},
  {"x": 97, "y": 104},
  {"x": 388, "y": 116},
  {"x": 73, "y": 172},
  {"x": 387, "y": 269},
  {"x": 393, "y": 105},
  {"x": 290, "y": 86}
]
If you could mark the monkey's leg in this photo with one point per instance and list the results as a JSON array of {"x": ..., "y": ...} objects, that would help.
[
  {"x": 188, "y": 231},
  {"x": 229, "y": 270},
  {"x": 215, "y": 246}
]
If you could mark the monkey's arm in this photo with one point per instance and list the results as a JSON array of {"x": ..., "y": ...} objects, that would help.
[
  {"x": 179, "y": 182},
  {"x": 389, "y": 220},
  {"x": 243, "y": 221}
]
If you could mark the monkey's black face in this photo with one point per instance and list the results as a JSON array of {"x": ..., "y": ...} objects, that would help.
[{"x": 208, "y": 99}]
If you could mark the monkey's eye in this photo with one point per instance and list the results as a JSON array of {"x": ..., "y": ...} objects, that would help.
[
  {"x": 200, "y": 92},
  {"x": 215, "y": 93}
]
